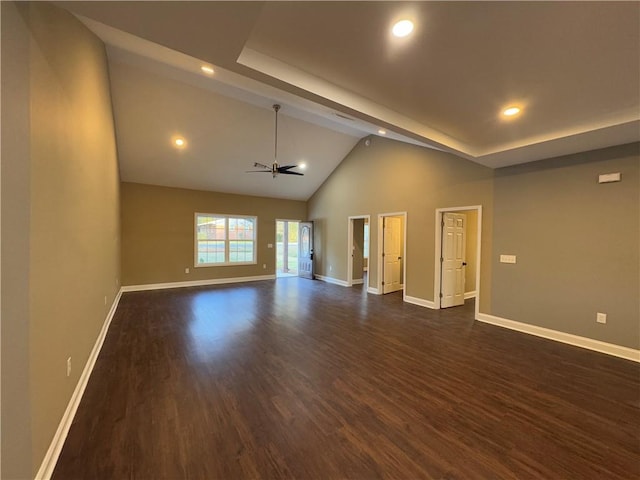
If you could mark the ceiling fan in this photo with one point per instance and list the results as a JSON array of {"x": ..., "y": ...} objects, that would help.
[{"x": 275, "y": 169}]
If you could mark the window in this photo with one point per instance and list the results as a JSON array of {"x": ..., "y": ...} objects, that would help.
[{"x": 225, "y": 240}]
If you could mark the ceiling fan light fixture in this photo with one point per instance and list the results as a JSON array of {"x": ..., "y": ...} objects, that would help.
[
  {"x": 207, "y": 69},
  {"x": 382, "y": 131}
]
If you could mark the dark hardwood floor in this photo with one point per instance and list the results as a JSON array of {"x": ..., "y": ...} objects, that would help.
[{"x": 306, "y": 380}]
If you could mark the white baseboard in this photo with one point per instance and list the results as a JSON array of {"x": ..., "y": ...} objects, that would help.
[
  {"x": 335, "y": 281},
  {"x": 51, "y": 458},
  {"x": 373, "y": 290},
  {"x": 468, "y": 295},
  {"x": 195, "y": 283},
  {"x": 578, "y": 341},
  {"x": 419, "y": 301},
  {"x": 357, "y": 281}
]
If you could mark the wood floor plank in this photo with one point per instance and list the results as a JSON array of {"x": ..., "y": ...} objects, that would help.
[{"x": 307, "y": 380}]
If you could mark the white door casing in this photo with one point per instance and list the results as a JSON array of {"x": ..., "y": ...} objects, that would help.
[
  {"x": 350, "y": 244},
  {"x": 453, "y": 259},
  {"x": 392, "y": 250}
]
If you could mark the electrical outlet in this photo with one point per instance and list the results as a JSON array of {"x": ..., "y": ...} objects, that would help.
[
  {"x": 186, "y": 270},
  {"x": 117, "y": 284},
  {"x": 68, "y": 366},
  {"x": 330, "y": 268},
  {"x": 264, "y": 266},
  {"x": 105, "y": 299},
  {"x": 601, "y": 317}
]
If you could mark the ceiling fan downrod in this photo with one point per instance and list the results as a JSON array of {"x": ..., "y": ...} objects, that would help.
[
  {"x": 276, "y": 169},
  {"x": 276, "y": 108}
]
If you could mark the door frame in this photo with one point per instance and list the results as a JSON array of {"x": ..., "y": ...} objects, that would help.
[
  {"x": 350, "y": 219},
  {"x": 275, "y": 243},
  {"x": 438, "y": 252},
  {"x": 379, "y": 258}
]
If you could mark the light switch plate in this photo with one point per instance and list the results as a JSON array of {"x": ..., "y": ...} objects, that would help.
[
  {"x": 601, "y": 317},
  {"x": 507, "y": 259}
]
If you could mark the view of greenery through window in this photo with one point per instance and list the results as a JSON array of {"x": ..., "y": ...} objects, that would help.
[
  {"x": 287, "y": 254},
  {"x": 225, "y": 240}
]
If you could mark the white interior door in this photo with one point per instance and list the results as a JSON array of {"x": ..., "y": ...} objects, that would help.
[
  {"x": 392, "y": 254},
  {"x": 454, "y": 227},
  {"x": 305, "y": 252}
]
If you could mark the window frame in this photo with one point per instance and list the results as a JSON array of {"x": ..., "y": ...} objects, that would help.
[{"x": 227, "y": 240}]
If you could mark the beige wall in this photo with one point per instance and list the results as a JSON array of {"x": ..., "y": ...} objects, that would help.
[
  {"x": 73, "y": 228},
  {"x": 158, "y": 232},
  {"x": 576, "y": 243},
  {"x": 16, "y": 202},
  {"x": 388, "y": 177}
]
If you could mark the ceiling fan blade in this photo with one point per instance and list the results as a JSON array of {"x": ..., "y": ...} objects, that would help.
[
  {"x": 286, "y": 167},
  {"x": 257, "y": 171},
  {"x": 289, "y": 172},
  {"x": 262, "y": 165}
]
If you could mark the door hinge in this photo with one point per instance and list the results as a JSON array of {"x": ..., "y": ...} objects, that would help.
[
  {"x": 440, "y": 295},
  {"x": 382, "y": 254},
  {"x": 382, "y": 283},
  {"x": 441, "y": 259},
  {"x": 442, "y": 223}
]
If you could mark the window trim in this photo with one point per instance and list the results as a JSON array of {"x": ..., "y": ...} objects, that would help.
[{"x": 226, "y": 263}]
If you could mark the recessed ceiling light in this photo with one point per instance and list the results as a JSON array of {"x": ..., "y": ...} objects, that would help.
[
  {"x": 207, "y": 69},
  {"x": 402, "y": 28},
  {"x": 179, "y": 142},
  {"x": 302, "y": 166},
  {"x": 382, "y": 131},
  {"x": 511, "y": 111}
]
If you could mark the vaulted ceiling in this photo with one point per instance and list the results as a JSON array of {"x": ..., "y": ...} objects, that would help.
[{"x": 572, "y": 67}]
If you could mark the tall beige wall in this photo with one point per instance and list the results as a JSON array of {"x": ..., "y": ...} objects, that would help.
[
  {"x": 73, "y": 227},
  {"x": 576, "y": 243},
  {"x": 158, "y": 232},
  {"x": 16, "y": 202},
  {"x": 390, "y": 177}
]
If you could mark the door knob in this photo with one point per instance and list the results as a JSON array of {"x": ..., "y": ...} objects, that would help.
[{"x": 464, "y": 264}]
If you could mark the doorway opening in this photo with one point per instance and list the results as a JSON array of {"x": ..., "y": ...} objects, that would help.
[
  {"x": 287, "y": 248},
  {"x": 457, "y": 256},
  {"x": 358, "y": 253},
  {"x": 392, "y": 245}
]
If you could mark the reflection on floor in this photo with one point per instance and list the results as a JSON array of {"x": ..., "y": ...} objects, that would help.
[{"x": 281, "y": 274}]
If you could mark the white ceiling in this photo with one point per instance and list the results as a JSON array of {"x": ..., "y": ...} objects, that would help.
[{"x": 574, "y": 67}]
